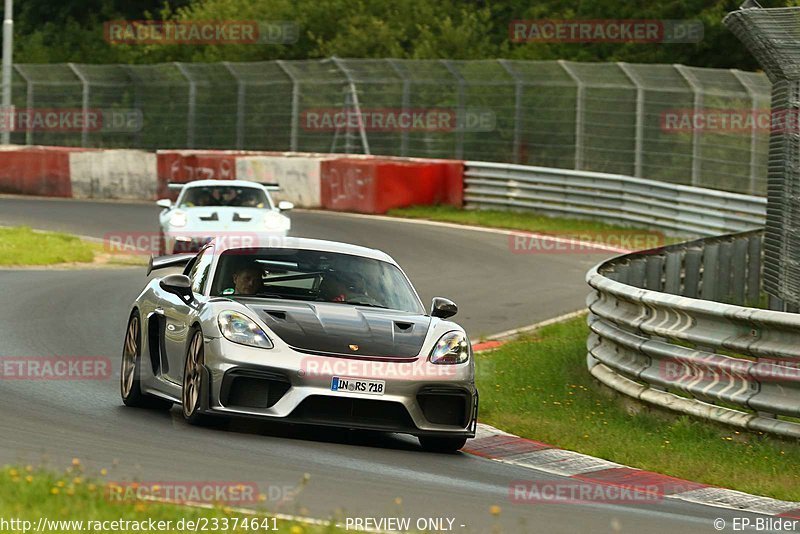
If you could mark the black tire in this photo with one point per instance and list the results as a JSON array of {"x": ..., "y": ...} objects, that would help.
[
  {"x": 441, "y": 444},
  {"x": 192, "y": 390},
  {"x": 130, "y": 370}
]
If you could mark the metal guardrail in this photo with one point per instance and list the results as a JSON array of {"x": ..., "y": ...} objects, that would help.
[
  {"x": 656, "y": 337},
  {"x": 611, "y": 198}
]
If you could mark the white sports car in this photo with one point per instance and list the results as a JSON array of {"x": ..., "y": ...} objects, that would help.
[{"x": 221, "y": 209}]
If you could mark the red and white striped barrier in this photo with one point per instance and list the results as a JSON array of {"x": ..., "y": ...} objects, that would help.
[{"x": 364, "y": 184}]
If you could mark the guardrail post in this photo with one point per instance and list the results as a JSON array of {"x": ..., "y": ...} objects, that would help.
[
  {"x": 691, "y": 277},
  {"x": 754, "y": 269},
  {"x": 709, "y": 289},
  {"x": 672, "y": 272},
  {"x": 636, "y": 277},
  {"x": 724, "y": 271},
  {"x": 739, "y": 271},
  {"x": 655, "y": 273}
]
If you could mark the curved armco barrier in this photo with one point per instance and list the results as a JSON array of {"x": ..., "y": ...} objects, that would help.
[
  {"x": 656, "y": 339},
  {"x": 611, "y": 198}
]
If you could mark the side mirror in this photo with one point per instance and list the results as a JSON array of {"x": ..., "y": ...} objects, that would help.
[
  {"x": 164, "y": 203},
  {"x": 443, "y": 308},
  {"x": 285, "y": 205},
  {"x": 178, "y": 284}
]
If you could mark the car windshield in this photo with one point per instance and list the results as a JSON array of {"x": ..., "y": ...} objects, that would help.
[
  {"x": 312, "y": 275},
  {"x": 224, "y": 195}
]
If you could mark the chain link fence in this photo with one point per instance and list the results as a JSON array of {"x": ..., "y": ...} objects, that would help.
[
  {"x": 773, "y": 37},
  {"x": 606, "y": 117}
]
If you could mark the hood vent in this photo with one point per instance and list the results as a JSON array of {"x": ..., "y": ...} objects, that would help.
[
  {"x": 212, "y": 217},
  {"x": 239, "y": 218}
]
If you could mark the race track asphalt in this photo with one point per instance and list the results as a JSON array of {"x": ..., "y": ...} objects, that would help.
[{"x": 359, "y": 474}]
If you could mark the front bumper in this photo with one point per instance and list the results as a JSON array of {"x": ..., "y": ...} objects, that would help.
[{"x": 286, "y": 384}]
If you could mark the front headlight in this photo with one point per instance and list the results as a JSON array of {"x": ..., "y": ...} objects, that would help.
[
  {"x": 241, "y": 329},
  {"x": 178, "y": 219},
  {"x": 453, "y": 347},
  {"x": 275, "y": 222}
]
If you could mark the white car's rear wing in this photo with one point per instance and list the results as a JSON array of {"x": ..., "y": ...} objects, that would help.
[{"x": 269, "y": 186}]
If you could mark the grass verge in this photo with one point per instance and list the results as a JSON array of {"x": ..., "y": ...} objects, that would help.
[
  {"x": 28, "y": 494},
  {"x": 527, "y": 221},
  {"x": 538, "y": 387},
  {"x": 21, "y": 246}
]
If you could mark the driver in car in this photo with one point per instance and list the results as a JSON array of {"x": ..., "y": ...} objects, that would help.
[{"x": 247, "y": 280}]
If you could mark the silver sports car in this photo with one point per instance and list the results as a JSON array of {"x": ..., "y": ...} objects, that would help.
[
  {"x": 237, "y": 210},
  {"x": 301, "y": 331}
]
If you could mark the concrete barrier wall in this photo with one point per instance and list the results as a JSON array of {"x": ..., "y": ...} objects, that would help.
[
  {"x": 42, "y": 171},
  {"x": 365, "y": 184},
  {"x": 124, "y": 174},
  {"x": 298, "y": 176},
  {"x": 376, "y": 185}
]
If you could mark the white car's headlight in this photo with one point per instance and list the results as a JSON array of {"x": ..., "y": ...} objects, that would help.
[
  {"x": 275, "y": 222},
  {"x": 452, "y": 348},
  {"x": 178, "y": 219},
  {"x": 241, "y": 329}
]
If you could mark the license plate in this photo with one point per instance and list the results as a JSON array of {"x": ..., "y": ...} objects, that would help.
[{"x": 344, "y": 384}]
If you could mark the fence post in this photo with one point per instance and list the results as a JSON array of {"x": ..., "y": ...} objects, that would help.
[
  {"x": 698, "y": 105},
  {"x": 579, "y": 104},
  {"x": 190, "y": 112},
  {"x": 28, "y": 102},
  {"x": 519, "y": 89},
  {"x": 753, "y": 130},
  {"x": 461, "y": 114},
  {"x": 241, "y": 98},
  {"x": 137, "y": 99},
  {"x": 354, "y": 94},
  {"x": 295, "y": 105},
  {"x": 639, "y": 141},
  {"x": 84, "y": 102},
  {"x": 405, "y": 103}
]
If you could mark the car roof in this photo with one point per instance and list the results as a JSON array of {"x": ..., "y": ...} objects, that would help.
[
  {"x": 231, "y": 183},
  {"x": 303, "y": 243}
]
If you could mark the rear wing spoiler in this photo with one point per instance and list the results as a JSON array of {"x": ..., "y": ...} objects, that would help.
[
  {"x": 269, "y": 186},
  {"x": 162, "y": 262}
]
